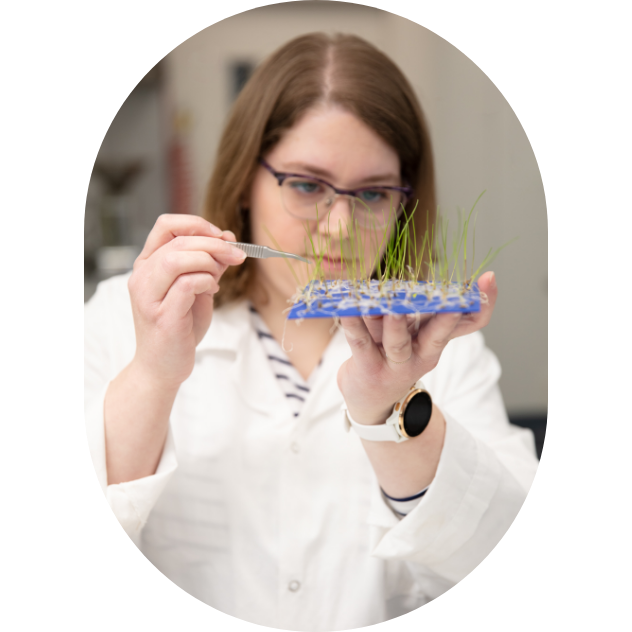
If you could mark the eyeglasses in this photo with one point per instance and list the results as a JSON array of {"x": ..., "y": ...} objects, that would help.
[{"x": 306, "y": 197}]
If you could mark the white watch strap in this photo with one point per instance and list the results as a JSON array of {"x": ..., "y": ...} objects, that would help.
[
  {"x": 381, "y": 432},
  {"x": 388, "y": 431}
]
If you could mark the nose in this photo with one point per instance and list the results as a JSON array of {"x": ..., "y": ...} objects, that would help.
[{"x": 337, "y": 212}]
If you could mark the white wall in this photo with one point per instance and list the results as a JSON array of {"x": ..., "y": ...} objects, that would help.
[{"x": 478, "y": 142}]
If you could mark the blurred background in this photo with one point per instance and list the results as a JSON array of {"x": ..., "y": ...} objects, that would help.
[{"x": 159, "y": 150}]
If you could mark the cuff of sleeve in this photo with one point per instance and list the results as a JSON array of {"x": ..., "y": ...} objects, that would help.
[
  {"x": 403, "y": 506},
  {"x": 133, "y": 501},
  {"x": 466, "y": 480},
  {"x": 96, "y": 435}
]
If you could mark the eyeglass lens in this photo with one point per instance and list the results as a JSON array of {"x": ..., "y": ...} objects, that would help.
[{"x": 373, "y": 207}]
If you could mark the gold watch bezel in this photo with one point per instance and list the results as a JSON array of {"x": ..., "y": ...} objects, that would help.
[{"x": 402, "y": 408}]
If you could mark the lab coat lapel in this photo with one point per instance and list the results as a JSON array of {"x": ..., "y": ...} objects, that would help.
[
  {"x": 325, "y": 395},
  {"x": 252, "y": 373},
  {"x": 231, "y": 332}
]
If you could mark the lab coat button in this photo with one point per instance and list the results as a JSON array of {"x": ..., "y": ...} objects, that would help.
[
  {"x": 295, "y": 448},
  {"x": 294, "y": 585}
]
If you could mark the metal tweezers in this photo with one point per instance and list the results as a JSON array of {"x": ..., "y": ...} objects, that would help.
[{"x": 263, "y": 252}]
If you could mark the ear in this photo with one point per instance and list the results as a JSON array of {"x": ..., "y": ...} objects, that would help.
[{"x": 244, "y": 198}]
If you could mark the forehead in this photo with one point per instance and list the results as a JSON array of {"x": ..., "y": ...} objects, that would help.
[{"x": 337, "y": 143}]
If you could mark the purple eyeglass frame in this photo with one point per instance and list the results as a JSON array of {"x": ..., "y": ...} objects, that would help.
[{"x": 281, "y": 176}]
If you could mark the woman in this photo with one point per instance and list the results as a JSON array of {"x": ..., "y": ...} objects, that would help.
[{"x": 224, "y": 457}]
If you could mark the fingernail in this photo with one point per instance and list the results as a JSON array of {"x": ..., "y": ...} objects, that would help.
[
  {"x": 216, "y": 232},
  {"x": 230, "y": 234},
  {"x": 398, "y": 316},
  {"x": 492, "y": 279},
  {"x": 239, "y": 253}
]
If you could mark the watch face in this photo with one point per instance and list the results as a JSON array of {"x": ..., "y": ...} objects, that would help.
[{"x": 417, "y": 414}]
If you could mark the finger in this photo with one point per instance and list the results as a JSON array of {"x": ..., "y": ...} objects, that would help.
[
  {"x": 363, "y": 348},
  {"x": 477, "y": 320},
  {"x": 416, "y": 321},
  {"x": 487, "y": 285},
  {"x": 169, "y": 226},
  {"x": 219, "y": 249},
  {"x": 165, "y": 268},
  {"x": 156, "y": 275},
  {"x": 396, "y": 339},
  {"x": 183, "y": 292},
  {"x": 434, "y": 336},
  {"x": 374, "y": 326}
]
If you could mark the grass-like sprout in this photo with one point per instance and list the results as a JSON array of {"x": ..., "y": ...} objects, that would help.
[
  {"x": 440, "y": 263},
  {"x": 287, "y": 261},
  {"x": 460, "y": 244}
]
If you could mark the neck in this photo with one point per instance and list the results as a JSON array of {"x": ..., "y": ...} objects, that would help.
[
  {"x": 274, "y": 311},
  {"x": 303, "y": 343}
]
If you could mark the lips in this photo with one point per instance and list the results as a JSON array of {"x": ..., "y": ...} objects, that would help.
[
  {"x": 332, "y": 264},
  {"x": 324, "y": 258}
]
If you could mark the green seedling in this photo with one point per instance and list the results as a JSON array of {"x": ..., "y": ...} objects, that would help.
[{"x": 436, "y": 262}]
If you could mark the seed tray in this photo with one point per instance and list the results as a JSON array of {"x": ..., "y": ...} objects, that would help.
[{"x": 340, "y": 298}]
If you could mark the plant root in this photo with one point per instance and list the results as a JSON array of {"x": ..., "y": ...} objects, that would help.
[{"x": 283, "y": 336}]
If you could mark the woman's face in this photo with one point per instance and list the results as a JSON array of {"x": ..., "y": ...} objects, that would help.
[{"x": 334, "y": 145}]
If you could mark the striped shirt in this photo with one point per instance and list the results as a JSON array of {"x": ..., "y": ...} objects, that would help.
[{"x": 296, "y": 389}]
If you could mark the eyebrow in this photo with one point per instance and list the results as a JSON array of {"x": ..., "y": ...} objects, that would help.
[{"x": 307, "y": 169}]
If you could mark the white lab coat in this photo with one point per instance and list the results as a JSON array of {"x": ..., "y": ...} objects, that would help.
[{"x": 279, "y": 520}]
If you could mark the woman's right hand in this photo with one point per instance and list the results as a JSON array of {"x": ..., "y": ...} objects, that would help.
[{"x": 171, "y": 287}]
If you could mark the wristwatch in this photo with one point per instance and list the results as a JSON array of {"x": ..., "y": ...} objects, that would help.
[{"x": 409, "y": 418}]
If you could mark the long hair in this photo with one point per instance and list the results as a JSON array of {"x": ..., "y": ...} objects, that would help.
[{"x": 312, "y": 69}]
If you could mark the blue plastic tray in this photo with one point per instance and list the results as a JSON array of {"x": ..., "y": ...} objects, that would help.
[{"x": 403, "y": 300}]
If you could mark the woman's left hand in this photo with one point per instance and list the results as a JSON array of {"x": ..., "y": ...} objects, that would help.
[{"x": 390, "y": 353}]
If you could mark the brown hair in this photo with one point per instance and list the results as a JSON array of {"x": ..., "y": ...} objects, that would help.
[{"x": 316, "y": 68}]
